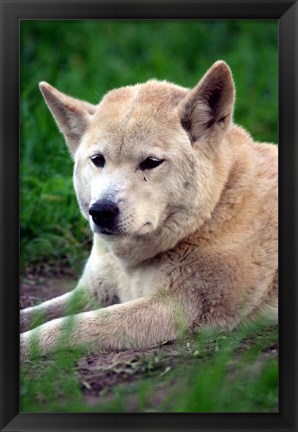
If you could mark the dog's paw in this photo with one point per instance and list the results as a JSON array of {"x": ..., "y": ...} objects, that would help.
[
  {"x": 24, "y": 347},
  {"x": 25, "y": 318}
]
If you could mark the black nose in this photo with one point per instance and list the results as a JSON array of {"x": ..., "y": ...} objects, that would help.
[{"x": 104, "y": 213}]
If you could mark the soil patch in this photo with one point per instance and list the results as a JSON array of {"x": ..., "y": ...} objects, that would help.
[{"x": 35, "y": 289}]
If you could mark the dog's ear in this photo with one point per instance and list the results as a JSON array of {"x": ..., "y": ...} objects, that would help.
[
  {"x": 70, "y": 114},
  {"x": 206, "y": 112}
]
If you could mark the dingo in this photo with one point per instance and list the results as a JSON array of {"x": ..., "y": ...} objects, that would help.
[{"x": 183, "y": 208}]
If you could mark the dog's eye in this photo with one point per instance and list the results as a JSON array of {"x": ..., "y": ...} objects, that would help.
[
  {"x": 150, "y": 163},
  {"x": 98, "y": 160}
]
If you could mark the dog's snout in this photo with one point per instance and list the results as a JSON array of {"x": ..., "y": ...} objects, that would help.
[{"x": 104, "y": 213}]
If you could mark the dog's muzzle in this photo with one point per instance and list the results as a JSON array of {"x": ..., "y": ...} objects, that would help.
[{"x": 104, "y": 215}]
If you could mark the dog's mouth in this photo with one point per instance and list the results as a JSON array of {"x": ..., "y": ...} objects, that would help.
[
  {"x": 111, "y": 233},
  {"x": 108, "y": 232}
]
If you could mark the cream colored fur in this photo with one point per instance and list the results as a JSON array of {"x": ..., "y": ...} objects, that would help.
[{"x": 197, "y": 235}]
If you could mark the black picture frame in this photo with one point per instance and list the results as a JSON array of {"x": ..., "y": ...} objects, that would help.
[{"x": 286, "y": 12}]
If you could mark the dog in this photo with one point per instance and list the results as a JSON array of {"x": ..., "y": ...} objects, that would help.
[{"x": 182, "y": 204}]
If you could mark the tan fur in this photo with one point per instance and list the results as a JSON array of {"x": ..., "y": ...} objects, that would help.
[{"x": 197, "y": 235}]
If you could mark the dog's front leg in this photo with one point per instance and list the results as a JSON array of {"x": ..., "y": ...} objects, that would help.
[
  {"x": 140, "y": 323},
  {"x": 75, "y": 301}
]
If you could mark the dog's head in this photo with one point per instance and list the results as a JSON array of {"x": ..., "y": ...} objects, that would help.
[{"x": 146, "y": 153}]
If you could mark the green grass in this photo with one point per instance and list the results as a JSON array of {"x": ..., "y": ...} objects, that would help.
[
  {"x": 88, "y": 58},
  {"x": 215, "y": 372}
]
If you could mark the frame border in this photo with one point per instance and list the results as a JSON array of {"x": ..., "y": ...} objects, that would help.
[{"x": 14, "y": 10}]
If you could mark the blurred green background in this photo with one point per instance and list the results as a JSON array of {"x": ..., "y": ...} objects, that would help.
[{"x": 88, "y": 58}]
